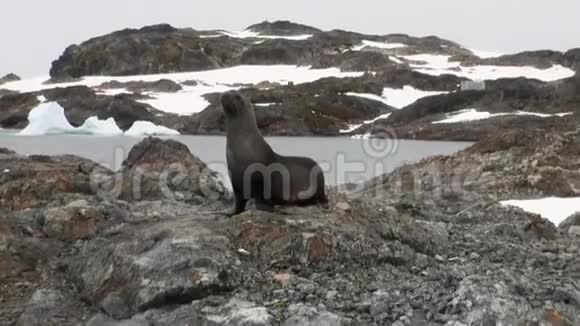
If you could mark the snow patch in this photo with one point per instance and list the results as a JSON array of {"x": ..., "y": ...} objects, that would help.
[
  {"x": 354, "y": 127},
  {"x": 485, "y": 54},
  {"x": 6, "y": 171},
  {"x": 378, "y": 45},
  {"x": 265, "y": 104},
  {"x": 147, "y": 128},
  {"x": 555, "y": 209},
  {"x": 436, "y": 65},
  {"x": 398, "y": 97},
  {"x": 467, "y": 115},
  {"x": 41, "y": 98},
  {"x": 251, "y": 34},
  {"x": 113, "y": 91}
]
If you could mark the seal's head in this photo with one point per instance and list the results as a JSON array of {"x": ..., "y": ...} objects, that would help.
[
  {"x": 233, "y": 103},
  {"x": 237, "y": 109}
]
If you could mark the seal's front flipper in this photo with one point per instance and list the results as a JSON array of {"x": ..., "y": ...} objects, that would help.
[{"x": 238, "y": 207}]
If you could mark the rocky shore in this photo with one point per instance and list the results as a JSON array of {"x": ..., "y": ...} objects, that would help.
[{"x": 428, "y": 244}]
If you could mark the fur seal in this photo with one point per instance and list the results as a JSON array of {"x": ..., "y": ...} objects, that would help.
[{"x": 259, "y": 173}]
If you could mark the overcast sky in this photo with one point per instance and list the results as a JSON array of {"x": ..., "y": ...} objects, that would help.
[{"x": 33, "y": 33}]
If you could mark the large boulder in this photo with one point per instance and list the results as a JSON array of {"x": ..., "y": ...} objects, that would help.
[
  {"x": 165, "y": 169},
  {"x": 36, "y": 180}
]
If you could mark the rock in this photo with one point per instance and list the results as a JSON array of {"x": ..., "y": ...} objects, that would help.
[
  {"x": 160, "y": 86},
  {"x": 77, "y": 220},
  {"x": 165, "y": 169},
  {"x": 37, "y": 180},
  {"x": 160, "y": 48},
  {"x": 304, "y": 315},
  {"x": 283, "y": 278},
  {"x": 115, "y": 306},
  {"x": 343, "y": 206},
  {"x": 574, "y": 230},
  {"x": 50, "y": 307},
  {"x": 572, "y": 220},
  {"x": 282, "y": 27},
  {"x": 14, "y": 109},
  {"x": 9, "y": 78}
]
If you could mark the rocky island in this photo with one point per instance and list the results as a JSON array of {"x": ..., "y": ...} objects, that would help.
[{"x": 303, "y": 81}]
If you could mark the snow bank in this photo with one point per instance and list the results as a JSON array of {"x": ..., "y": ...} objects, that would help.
[
  {"x": 553, "y": 208},
  {"x": 398, "y": 97},
  {"x": 436, "y": 65},
  {"x": 146, "y": 128},
  {"x": 47, "y": 119},
  {"x": 378, "y": 45},
  {"x": 474, "y": 115}
]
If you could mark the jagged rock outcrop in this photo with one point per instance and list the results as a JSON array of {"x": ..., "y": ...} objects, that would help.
[
  {"x": 282, "y": 27},
  {"x": 9, "y": 78},
  {"x": 152, "y": 49}
]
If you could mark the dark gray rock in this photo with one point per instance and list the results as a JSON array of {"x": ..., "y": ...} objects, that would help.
[
  {"x": 572, "y": 220},
  {"x": 160, "y": 86},
  {"x": 282, "y": 27},
  {"x": 165, "y": 169},
  {"x": 9, "y": 78}
]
